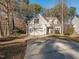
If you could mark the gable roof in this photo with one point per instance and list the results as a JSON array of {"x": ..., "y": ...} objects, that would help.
[
  {"x": 53, "y": 20},
  {"x": 43, "y": 20},
  {"x": 75, "y": 20}
]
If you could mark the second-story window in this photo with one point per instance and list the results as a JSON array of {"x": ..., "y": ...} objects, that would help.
[{"x": 36, "y": 21}]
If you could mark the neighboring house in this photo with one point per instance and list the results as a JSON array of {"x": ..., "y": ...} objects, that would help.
[
  {"x": 40, "y": 25},
  {"x": 75, "y": 23}
]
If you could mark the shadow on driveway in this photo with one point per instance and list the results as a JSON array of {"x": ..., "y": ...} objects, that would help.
[{"x": 53, "y": 49}]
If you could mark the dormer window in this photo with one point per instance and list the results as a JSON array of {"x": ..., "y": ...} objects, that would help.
[{"x": 36, "y": 20}]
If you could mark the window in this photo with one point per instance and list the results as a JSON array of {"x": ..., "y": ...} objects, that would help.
[
  {"x": 36, "y": 20},
  {"x": 31, "y": 30}
]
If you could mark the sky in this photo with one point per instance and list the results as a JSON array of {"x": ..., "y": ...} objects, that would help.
[{"x": 50, "y": 3}]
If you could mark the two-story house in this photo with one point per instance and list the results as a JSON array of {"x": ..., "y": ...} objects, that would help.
[{"x": 40, "y": 25}]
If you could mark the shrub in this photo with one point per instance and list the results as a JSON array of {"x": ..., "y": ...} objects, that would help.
[
  {"x": 69, "y": 30},
  {"x": 18, "y": 31},
  {"x": 57, "y": 32}
]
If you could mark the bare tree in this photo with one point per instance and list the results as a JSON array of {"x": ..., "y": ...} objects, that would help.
[{"x": 7, "y": 7}]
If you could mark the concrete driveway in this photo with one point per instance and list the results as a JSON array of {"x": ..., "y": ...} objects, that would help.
[{"x": 52, "y": 48}]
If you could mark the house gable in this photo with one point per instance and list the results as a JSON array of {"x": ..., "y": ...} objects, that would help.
[
  {"x": 75, "y": 20},
  {"x": 54, "y": 21},
  {"x": 39, "y": 20},
  {"x": 75, "y": 23}
]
